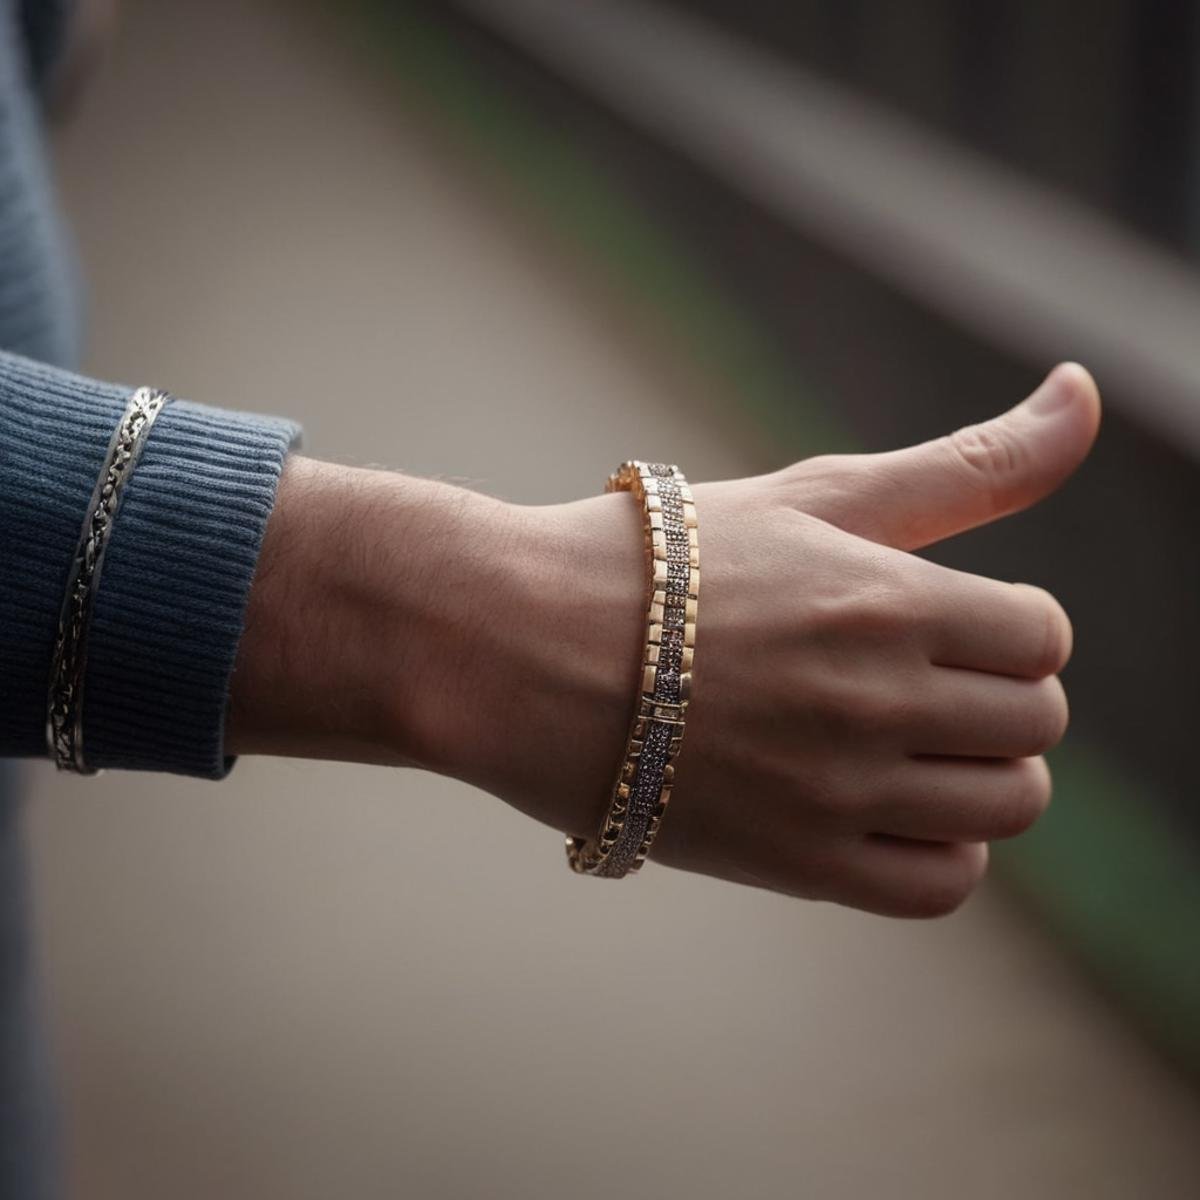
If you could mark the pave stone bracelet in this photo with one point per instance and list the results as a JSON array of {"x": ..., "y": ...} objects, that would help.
[{"x": 643, "y": 787}]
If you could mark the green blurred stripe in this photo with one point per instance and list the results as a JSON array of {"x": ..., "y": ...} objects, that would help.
[
  {"x": 1109, "y": 870},
  {"x": 1103, "y": 865}
]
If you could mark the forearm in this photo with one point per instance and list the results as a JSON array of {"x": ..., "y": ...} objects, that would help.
[
  {"x": 330, "y": 665},
  {"x": 405, "y": 621}
]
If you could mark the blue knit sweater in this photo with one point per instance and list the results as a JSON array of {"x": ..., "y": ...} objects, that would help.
[{"x": 169, "y": 612}]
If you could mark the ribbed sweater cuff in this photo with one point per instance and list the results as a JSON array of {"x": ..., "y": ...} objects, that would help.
[{"x": 168, "y": 615}]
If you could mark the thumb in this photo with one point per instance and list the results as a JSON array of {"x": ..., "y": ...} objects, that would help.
[{"x": 911, "y": 498}]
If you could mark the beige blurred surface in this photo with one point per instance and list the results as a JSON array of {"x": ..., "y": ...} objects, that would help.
[{"x": 315, "y": 980}]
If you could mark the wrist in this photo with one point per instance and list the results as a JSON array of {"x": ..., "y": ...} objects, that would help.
[{"x": 547, "y": 683}]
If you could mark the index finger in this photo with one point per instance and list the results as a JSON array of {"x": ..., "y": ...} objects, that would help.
[{"x": 987, "y": 625}]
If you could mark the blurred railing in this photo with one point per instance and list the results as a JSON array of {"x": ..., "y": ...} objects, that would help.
[{"x": 1100, "y": 101}]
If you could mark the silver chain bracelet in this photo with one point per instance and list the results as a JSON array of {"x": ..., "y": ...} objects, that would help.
[{"x": 64, "y": 709}]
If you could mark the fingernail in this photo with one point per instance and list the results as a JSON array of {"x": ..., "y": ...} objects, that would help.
[{"x": 1055, "y": 393}]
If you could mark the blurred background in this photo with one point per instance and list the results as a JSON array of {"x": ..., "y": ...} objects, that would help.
[{"x": 510, "y": 243}]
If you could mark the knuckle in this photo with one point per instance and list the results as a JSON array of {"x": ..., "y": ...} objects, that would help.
[
  {"x": 817, "y": 871},
  {"x": 827, "y": 796},
  {"x": 887, "y": 609},
  {"x": 809, "y": 789},
  {"x": 838, "y": 709},
  {"x": 879, "y": 710},
  {"x": 1026, "y": 800},
  {"x": 935, "y": 898},
  {"x": 985, "y": 452},
  {"x": 822, "y": 483},
  {"x": 825, "y": 467},
  {"x": 944, "y": 892},
  {"x": 820, "y": 464},
  {"x": 899, "y": 603},
  {"x": 1057, "y": 635},
  {"x": 1048, "y": 717}
]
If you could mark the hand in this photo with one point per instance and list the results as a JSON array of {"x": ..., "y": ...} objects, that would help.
[{"x": 862, "y": 721}]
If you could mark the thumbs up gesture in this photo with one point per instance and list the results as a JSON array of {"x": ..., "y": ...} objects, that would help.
[
  {"x": 862, "y": 721},
  {"x": 865, "y": 721}
]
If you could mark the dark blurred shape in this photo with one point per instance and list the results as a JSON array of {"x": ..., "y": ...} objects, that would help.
[{"x": 1097, "y": 99}]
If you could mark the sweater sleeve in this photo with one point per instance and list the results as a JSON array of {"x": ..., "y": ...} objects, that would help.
[{"x": 169, "y": 611}]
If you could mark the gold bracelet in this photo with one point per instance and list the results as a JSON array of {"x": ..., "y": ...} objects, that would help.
[{"x": 643, "y": 786}]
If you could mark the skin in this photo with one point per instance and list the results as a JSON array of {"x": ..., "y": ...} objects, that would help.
[{"x": 863, "y": 722}]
